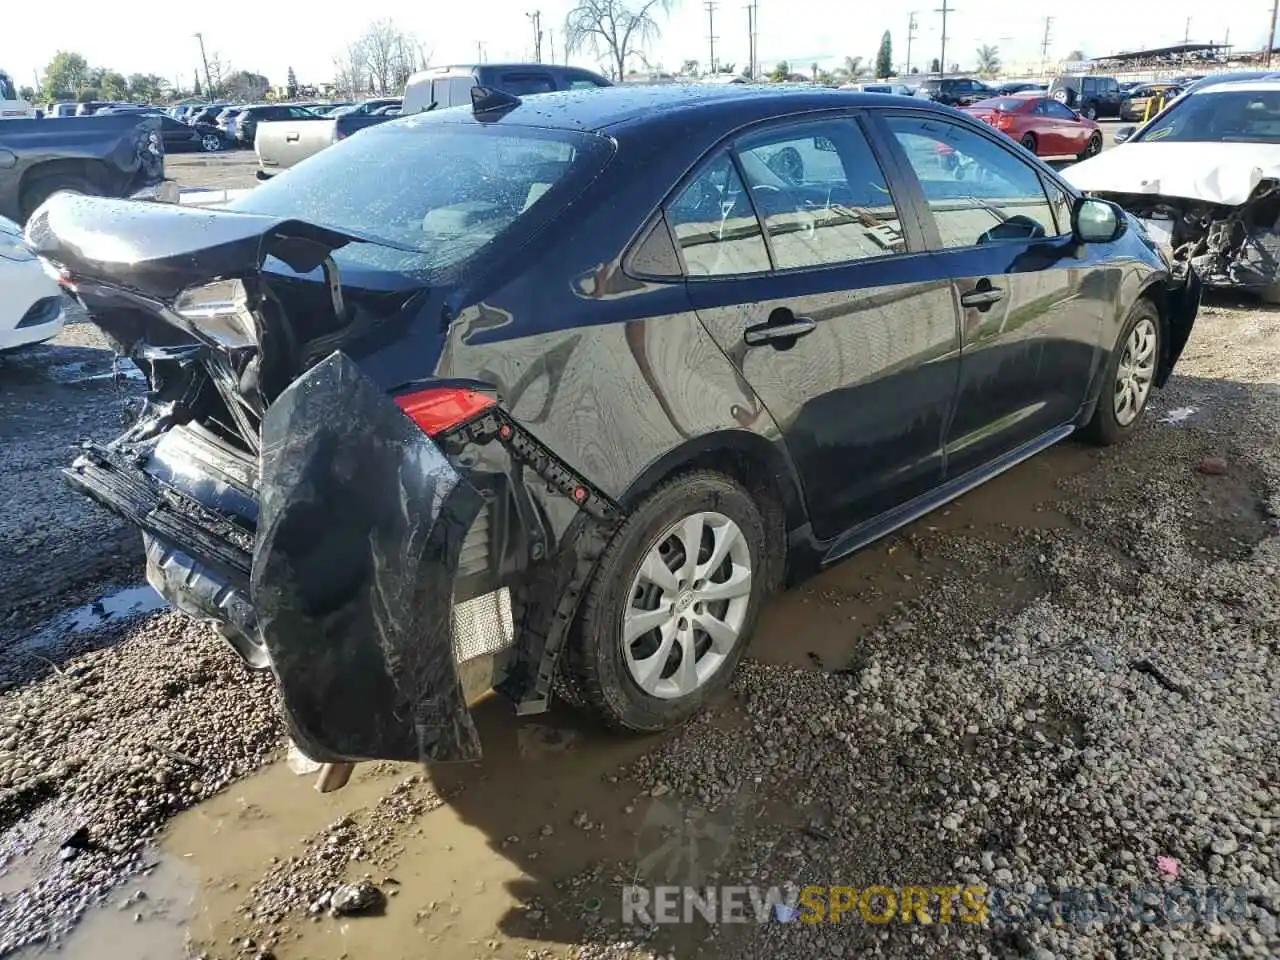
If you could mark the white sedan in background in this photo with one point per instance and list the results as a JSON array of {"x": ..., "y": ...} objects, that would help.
[{"x": 30, "y": 302}]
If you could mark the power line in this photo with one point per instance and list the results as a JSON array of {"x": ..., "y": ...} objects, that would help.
[
  {"x": 942, "y": 61},
  {"x": 912, "y": 28}
]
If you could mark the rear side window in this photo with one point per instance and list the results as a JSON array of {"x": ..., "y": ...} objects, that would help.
[
  {"x": 821, "y": 194},
  {"x": 715, "y": 225},
  {"x": 457, "y": 91},
  {"x": 525, "y": 84},
  {"x": 977, "y": 191},
  {"x": 430, "y": 195}
]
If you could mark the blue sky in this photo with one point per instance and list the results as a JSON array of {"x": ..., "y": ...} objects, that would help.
[{"x": 270, "y": 37}]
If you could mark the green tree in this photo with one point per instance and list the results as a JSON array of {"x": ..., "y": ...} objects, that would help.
[
  {"x": 27, "y": 93},
  {"x": 66, "y": 72},
  {"x": 780, "y": 72},
  {"x": 853, "y": 67},
  {"x": 113, "y": 85},
  {"x": 1075, "y": 56},
  {"x": 988, "y": 60},
  {"x": 884, "y": 57},
  {"x": 291, "y": 85},
  {"x": 145, "y": 87},
  {"x": 935, "y": 65}
]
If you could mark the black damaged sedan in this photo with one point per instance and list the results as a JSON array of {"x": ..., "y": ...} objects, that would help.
[{"x": 549, "y": 396}]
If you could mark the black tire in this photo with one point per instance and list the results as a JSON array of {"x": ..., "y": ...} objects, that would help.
[
  {"x": 1029, "y": 141},
  {"x": 1103, "y": 429},
  {"x": 1093, "y": 149},
  {"x": 594, "y": 656},
  {"x": 42, "y": 188}
]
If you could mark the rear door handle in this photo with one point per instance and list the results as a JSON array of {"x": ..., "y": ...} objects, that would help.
[
  {"x": 775, "y": 330},
  {"x": 290, "y": 138},
  {"x": 982, "y": 298}
]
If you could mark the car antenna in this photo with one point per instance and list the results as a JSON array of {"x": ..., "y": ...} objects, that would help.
[{"x": 487, "y": 100}]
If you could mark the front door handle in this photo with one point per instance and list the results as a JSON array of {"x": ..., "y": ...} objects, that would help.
[
  {"x": 982, "y": 298},
  {"x": 290, "y": 138},
  {"x": 778, "y": 329}
]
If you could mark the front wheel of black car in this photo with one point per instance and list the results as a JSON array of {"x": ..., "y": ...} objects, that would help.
[
  {"x": 1129, "y": 378},
  {"x": 673, "y": 603},
  {"x": 211, "y": 143}
]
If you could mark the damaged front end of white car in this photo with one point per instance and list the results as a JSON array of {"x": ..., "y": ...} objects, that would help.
[{"x": 1227, "y": 246}]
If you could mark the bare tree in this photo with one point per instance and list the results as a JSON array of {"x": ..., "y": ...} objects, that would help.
[
  {"x": 613, "y": 28},
  {"x": 384, "y": 43},
  {"x": 218, "y": 70},
  {"x": 349, "y": 70}
]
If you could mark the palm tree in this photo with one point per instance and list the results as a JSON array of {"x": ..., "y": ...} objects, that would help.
[
  {"x": 853, "y": 66},
  {"x": 989, "y": 60}
]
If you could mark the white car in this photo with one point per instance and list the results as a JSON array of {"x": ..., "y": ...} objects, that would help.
[
  {"x": 30, "y": 302},
  {"x": 880, "y": 86},
  {"x": 1204, "y": 179}
]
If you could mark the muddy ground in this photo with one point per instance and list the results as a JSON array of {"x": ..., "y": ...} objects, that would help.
[{"x": 1039, "y": 690}]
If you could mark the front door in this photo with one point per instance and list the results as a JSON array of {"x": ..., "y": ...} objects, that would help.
[
  {"x": 1032, "y": 299},
  {"x": 804, "y": 273},
  {"x": 1070, "y": 135}
]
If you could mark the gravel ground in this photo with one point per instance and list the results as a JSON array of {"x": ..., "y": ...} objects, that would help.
[{"x": 1037, "y": 694}]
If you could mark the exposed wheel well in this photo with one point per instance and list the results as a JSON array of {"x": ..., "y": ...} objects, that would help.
[{"x": 92, "y": 170}]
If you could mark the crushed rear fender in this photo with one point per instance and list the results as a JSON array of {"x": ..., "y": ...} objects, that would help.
[{"x": 361, "y": 521}]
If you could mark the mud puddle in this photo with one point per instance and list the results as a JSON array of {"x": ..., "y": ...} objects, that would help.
[
  {"x": 111, "y": 608},
  {"x": 530, "y": 848}
]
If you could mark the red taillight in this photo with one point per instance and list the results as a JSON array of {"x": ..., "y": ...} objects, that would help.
[
  {"x": 441, "y": 408},
  {"x": 1003, "y": 121}
]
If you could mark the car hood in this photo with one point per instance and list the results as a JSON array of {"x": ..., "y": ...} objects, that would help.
[{"x": 1225, "y": 173}]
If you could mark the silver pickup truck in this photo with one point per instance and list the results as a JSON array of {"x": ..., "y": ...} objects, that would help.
[{"x": 282, "y": 143}]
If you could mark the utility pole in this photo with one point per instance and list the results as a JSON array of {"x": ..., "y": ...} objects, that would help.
[
  {"x": 1186, "y": 37},
  {"x": 479, "y": 51},
  {"x": 551, "y": 43},
  {"x": 536, "y": 19},
  {"x": 751, "y": 40},
  {"x": 911, "y": 35},
  {"x": 942, "y": 61},
  {"x": 208, "y": 81},
  {"x": 711, "y": 31},
  {"x": 1271, "y": 35},
  {"x": 1044, "y": 46}
]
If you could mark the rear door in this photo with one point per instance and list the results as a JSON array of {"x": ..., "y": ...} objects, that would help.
[
  {"x": 1032, "y": 299},
  {"x": 809, "y": 278}
]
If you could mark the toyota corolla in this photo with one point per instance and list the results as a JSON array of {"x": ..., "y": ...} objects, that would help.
[{"x": 565, "y": 388}]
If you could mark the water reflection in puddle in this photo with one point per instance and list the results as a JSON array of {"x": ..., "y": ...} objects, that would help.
[
  {"x": 145, "y": 918},
  {"x": 128, "y": 602}
]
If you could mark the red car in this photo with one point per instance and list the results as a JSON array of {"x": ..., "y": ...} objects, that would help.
[{"x": 1041, "y": 124}]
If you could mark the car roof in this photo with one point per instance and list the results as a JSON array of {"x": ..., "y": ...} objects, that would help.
[
  {"x": 1259, "y": 83},
  {"x": 640, "y": 104}
]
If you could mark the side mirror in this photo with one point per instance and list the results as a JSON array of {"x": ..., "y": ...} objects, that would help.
[
  {"x": 1098, "y": 221},
  {"x": 1124, "y": 133}
]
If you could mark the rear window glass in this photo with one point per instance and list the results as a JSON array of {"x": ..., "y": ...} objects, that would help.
[
  {"x": 523, "y": 85},
  {"x": 1007, "y": 104},
  {"x": 434, "y": 194}
]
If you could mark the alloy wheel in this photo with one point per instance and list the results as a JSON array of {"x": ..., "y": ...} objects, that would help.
[
  {"x": 1136, "y": 371},
  {"x": 687, "y": 605},
  {"x": 211, "y": 143}
]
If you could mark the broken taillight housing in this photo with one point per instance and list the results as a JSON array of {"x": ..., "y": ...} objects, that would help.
[
  {"x": 439, "y": 409},
  {"x": 219, "y": 310}
]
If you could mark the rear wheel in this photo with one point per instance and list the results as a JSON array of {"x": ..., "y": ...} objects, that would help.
[
  {"x": 1092, "y": 148},
  {"x": 210, "y": 143},
  {"x": 673, "y": 603},
  {"x": 1029, "y": 141},
  {"x": 42, "y": 188},
  {"x": 1129, "y": 377}
]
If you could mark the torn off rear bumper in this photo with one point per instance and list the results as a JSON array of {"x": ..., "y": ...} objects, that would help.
[{"x": 361, "y": 520}]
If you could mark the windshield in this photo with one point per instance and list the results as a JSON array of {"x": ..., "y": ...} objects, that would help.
[
  {"x": 1216, "y": 116},
  {"x": 434, "y": 194},
  {"x": 1006, "y": 104}
]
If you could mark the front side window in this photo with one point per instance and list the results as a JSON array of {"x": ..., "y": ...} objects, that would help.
[
  {"x": 715, "y": 225},
  {"x": 977, "y": 191},
  {"x": 1056, "y": 110},
  {"x": 821, "y": 194}
]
